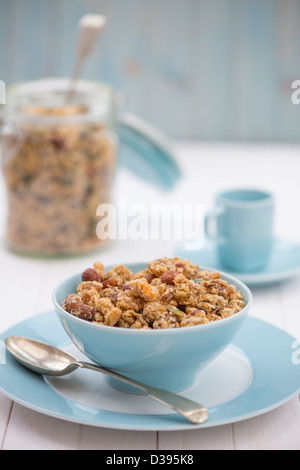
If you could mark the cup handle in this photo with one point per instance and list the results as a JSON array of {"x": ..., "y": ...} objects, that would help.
[{"x": 210, "y": 220}]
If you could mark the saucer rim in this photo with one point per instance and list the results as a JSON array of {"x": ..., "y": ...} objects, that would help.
[{"x": 252, "y": 279}]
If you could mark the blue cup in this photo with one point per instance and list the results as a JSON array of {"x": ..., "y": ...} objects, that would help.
[{"x": 241, "y": 225}]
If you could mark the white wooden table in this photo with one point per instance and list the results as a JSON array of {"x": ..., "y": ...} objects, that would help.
[{"x": 207, "y": 169}]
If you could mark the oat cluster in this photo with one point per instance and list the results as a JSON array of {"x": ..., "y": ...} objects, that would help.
[{"x": 169, "y": 293}]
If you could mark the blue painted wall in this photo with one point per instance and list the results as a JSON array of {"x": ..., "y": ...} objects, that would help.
[{"x": 199, "y": 69}]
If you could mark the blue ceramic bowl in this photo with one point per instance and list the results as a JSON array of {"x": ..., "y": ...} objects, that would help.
[{"x": 168, "y": 358}]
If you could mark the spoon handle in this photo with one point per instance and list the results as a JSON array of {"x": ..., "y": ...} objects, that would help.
[
  {"x": 192, "y": 411},
  {"x": 90, "y": 27}
]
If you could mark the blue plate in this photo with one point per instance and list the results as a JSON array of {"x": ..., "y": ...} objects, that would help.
[
  {"x": 254, "y": 375},
  {"x": 284, "y": 263}
]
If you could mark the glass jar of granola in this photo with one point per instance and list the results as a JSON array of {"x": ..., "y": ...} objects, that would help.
[{"x": 59, "y": 161}]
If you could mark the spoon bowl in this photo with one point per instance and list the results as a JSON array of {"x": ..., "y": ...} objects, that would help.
[
  {"x": 48, "y": 360},
  {"x": 40, "y": 357}
]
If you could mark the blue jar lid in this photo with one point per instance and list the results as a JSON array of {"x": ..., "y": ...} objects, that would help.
[{"x": 147, "y": 152}]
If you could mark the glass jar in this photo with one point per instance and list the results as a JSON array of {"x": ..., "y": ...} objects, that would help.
[{"x": 59, "y": 157}]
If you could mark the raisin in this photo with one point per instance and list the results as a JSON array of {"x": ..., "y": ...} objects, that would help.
[{"x": 110, "y": 283}]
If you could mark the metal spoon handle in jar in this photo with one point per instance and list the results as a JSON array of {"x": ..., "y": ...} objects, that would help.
[
  {"x": 90, "y": 27},
  {"x": 192, "y": 411}
]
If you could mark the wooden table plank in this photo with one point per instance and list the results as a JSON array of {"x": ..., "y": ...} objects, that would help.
[
  {"x": 30, "y": 430},
  {"x": 276, "y": 430},
  {"x": 111, "y": 439},
  {"x": 5, "y": 410},
  {"x": 219, "y": 438}
]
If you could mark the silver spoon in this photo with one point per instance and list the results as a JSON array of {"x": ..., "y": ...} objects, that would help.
[{"x": 48, "y": 360}]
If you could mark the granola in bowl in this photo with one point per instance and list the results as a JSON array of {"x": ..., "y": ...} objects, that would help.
[{"x": 169, "y": 293}]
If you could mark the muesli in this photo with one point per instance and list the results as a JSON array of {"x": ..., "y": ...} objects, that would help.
[
  {"x": 56, "y": 176},
  {"x": 169, "y": 293}
]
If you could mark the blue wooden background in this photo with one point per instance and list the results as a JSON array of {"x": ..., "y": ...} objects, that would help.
[{"x": 199, "y": 69}]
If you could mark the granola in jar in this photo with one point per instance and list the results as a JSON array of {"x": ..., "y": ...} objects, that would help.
[
  {"x": 169, "y": 293},
  {"x": 59, "y": 163}
]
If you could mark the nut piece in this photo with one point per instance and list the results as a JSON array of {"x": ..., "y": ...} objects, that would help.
[
  {"x": 168, "y": 277},
  {"x": 77, "y": 308},
  {"x": 176, "y": 311},
  {"x": 90, "y": 274}
]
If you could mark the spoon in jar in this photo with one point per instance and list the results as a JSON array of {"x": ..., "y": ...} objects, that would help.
[
  {"x": 48, "y": 360},
  {"x": 90, "y": 27}
]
